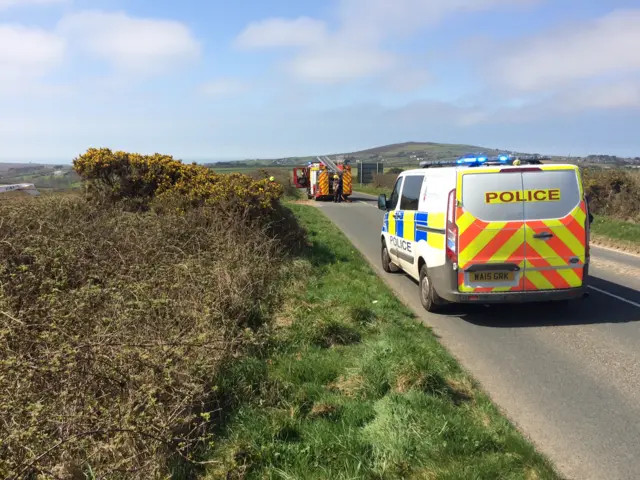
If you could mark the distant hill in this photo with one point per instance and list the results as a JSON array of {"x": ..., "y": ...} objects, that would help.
[
  {"x": 396, "y": 148},
  {"x": 5, "y": 167},
  {"x": 405, "y": 154},
  {"x": 413, "y": 152}
]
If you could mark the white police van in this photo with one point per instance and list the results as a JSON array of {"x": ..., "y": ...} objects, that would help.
[{"x": 488, "y": 230}]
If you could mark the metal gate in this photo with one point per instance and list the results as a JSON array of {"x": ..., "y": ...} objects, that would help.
[{"x": 366, "y": 171}]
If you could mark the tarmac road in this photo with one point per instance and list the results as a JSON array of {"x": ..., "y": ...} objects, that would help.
[{"x": 569, "y": 379}]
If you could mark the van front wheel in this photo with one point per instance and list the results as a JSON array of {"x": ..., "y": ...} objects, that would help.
[{"x": 428, "y": 296}]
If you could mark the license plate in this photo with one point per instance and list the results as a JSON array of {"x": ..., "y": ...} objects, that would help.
[{"x": 492, "y": 277}]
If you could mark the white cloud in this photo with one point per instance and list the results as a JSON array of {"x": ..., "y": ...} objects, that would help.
[
  {"x": 6, "y": 4},
  {"x": 408, "y": 80},
  {"x": 607, "y": 46},
  {"x": 133, "y": 45},
  {"x": 356, "y": 47},
  {"x": 280, "y": 32},
  {"x": 327, "y": 65},
  {"x": 27, "y": 54},
  {"x": 380, "y": 18},
  {"x": 222, "y": 87},
  {"x": 610, "y": 95}
]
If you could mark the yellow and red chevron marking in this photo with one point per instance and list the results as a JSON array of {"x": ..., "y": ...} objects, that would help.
[
  {"x": 545, "y": 263},
  {"x": 323, "y": 183},
  {"x": 489, "y": 242},
  {"x": 347, "y": 181},
  {"x": 548, "y": 264}
]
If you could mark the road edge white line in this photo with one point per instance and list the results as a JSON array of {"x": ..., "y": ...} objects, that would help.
[{"x": 617, "y": 297}]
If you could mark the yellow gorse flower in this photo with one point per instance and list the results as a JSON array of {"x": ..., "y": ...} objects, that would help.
[{"x": 120, "y": 175}]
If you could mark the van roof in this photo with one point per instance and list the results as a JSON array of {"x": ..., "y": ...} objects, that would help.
[{"x": 456, "y": 168}]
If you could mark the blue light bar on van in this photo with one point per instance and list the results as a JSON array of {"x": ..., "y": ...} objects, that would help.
[{"x": 471, "y": 160}]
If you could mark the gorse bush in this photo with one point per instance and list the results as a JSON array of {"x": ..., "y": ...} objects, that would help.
[
  {"x": 613, "y": 192},
  {"x": 114, "y": 329},
  {"x": 117, "y": 328},
  {"x": 284, "y": 176},
  {"x": 142, "y": 179}
]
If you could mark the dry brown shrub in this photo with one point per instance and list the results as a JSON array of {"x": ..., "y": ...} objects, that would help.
[
  {"x": 115, "y": 328},
  {"x": 385, "y": 180}
]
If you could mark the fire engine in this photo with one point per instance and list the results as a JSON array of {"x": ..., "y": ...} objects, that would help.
[{"x": 317, "y": 178}]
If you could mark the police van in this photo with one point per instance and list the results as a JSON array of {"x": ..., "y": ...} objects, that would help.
[{"x": 488, "y": 230}]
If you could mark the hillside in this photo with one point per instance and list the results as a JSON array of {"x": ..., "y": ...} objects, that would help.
[
  {"x": 11, "y": 166},
  {"x": 403, "y": 154},
  {"x": 43, "y": 176},
  {"x": 412, "y": 152},
  {"x": 420, "y": 147}
]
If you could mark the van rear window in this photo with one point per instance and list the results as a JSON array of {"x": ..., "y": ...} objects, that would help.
[
  {"x": 562, "y": 185},
  {"x": 491, "y": 196},
  {"x": 505, "y": 197}
]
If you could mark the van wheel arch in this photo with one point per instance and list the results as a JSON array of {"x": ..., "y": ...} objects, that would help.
[
  {"x": 431, "y": 301},
  {"x": 387, "y": 265},
  {"x": 421, "y": 263}
]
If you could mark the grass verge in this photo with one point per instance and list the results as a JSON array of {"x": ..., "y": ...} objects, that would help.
[
  {"x": 349, "y": 385},
  {"x": 616, "y": 233}
]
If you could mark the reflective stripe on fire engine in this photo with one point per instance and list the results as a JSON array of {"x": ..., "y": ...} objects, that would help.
[
  {"x": 347, "y": 182},
  {"x": 323, "y": 183}
]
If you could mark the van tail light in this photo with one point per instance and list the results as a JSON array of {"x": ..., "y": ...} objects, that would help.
[
  {"x": 452, "y": 229},
  {"x": 587, "y": 234}
]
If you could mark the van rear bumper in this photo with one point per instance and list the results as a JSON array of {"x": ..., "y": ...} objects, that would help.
[
  {"x": 514, "y": 297},
  {"x": 445, "y": 283}
]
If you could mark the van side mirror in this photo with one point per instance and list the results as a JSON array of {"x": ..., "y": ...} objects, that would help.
[{"x": 382, "y": 202}]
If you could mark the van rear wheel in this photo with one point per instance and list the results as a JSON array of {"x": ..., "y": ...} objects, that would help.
[{"x": 428, "y": 296}]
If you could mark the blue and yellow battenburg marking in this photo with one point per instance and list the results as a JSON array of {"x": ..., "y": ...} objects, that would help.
[{"x": 412, "y": 226}]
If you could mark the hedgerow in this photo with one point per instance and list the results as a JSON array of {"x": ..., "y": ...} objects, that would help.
[
  {"x": 142, "y": 179},
  {"x": 118, "y": 327},
  {"x": 613, "y": 192}
]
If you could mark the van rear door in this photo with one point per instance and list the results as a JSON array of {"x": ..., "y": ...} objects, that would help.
[
  {"x": 491, "y": 232},
  {"x": 556, "y": 228}
]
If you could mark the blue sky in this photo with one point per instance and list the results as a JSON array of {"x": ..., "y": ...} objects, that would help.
[{"x": 212, "y": 79}]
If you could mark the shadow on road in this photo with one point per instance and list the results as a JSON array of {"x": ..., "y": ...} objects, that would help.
[
  {"x": 597, "y": 308},
  {"x": 357, "y": 197}
]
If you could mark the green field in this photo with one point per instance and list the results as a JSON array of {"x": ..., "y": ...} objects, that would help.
[{"x": 351, "y": 386}]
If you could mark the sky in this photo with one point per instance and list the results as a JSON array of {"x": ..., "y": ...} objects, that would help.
[{"x": 212, "y": 80}]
